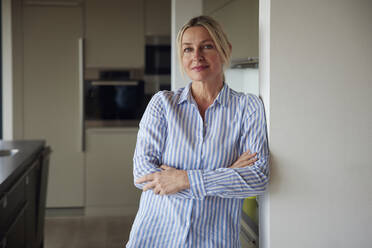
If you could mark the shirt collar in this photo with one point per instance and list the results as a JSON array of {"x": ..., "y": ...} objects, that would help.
[
  {"x": 186, "y": 94},
  {"x": 222, "y": 97}
]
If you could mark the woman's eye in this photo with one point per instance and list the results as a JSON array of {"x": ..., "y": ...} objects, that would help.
[
  {"x": 208, "y": 46},
  {"x": 187, "y": 49}
]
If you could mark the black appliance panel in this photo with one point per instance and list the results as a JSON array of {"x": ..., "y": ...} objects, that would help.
[
  {"x": 114, "y": 100},
  {"x": 158, "y": 60}
]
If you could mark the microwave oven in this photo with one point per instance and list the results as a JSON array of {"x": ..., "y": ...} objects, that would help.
[
  {"x": 158, "y": 55},
  {"x": 114, "y": 99}
]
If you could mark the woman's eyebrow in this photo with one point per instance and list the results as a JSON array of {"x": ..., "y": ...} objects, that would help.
[{"x": 204, "y": 41}]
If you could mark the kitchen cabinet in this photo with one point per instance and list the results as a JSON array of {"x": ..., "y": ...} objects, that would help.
[
  {"x": 22, "y": 194},
  {"x": 114, "y": 32},
  {"x": 239, "y": 19},
  {"x": 109, "y": 172},
  {"x": 51, "y": 95},
  {"x": 12, "y": 215},
  {"x": 210, "y": 6},
  {"x": 158, "y": 18}
]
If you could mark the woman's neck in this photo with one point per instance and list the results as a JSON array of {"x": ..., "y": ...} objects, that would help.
[{"x": 206, "y": 92}]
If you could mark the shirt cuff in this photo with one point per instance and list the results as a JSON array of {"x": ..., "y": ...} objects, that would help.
[{"x": 196, "y": 181}]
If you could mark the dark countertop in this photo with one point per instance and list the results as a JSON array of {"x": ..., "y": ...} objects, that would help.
[
  {"x": 11, "y": 167},
  {"x": 111, "y": 123}
]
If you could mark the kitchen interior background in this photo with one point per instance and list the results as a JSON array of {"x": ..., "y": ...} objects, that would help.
[{"x": 85, "y": 71}]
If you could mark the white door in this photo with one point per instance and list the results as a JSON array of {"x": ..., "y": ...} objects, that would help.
[{"x": 51, "y": 96}]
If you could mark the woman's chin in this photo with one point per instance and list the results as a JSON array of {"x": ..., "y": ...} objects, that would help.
[
  {"x": 203, "y": 78},
  {"x": 199, "y": 76},
  {"x": 197, "y": 79}
]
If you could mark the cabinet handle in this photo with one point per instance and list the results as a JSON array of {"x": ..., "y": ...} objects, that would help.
[
  {"x": 5, "y": 202},
  {"x": 27, "y": 180},
  {"x": 81, "y": 95}
]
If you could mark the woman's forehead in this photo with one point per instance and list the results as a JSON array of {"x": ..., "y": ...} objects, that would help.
[{"x": 196, "y": 35}]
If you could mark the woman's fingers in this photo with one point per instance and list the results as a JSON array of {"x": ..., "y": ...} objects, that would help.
[
  {"x": 145, "y": 178},
  {"x": 244, "y": 163},
  {"x": 251, "y": 161},
  {"x": 150, "y": 185},
  {"x": 246, "y": 159},
  {"x": 252, "y": 155},
  {"x": 165, "y": 167},
  {"x": 157, "y": 190},
  {"x": 168, "y": 181},
  {"x": 247, "y": 156}
]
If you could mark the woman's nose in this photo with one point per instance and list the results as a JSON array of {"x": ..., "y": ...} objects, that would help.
[{"x": 198, "y": 55}]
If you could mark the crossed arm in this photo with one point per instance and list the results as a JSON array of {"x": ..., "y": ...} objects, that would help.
[
  {"x": 171, "y": 180},
  {"x": 247, "y": 176}
]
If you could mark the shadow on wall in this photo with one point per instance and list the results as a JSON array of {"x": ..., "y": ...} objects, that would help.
[{"x": 274, "y": 173}]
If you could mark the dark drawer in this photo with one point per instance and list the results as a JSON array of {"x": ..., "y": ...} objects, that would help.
[
  {"x": 15, "y": 236},
  {"x": 11, "y": 203}
]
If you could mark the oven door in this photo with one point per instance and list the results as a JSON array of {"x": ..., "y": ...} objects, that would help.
[{"x": 114, "y": 100}]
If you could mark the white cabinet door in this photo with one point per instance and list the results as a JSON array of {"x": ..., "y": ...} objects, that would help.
[
  {"x": 114, "y": 31},
  {"x": 210, "y": 6},
  {"x": 109, "y": 164},
  {"x": 51, "y": 96},
  {"x": 158, "y": 17}
]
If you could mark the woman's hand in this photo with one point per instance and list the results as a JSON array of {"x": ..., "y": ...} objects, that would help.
[
  {"x": 246, "y": 159},
  {"x": 167, "y": 182},
  {"x": 170, "y": 180}
]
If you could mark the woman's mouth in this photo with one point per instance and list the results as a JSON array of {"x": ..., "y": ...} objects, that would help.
[{"x": 200, "y": 68}]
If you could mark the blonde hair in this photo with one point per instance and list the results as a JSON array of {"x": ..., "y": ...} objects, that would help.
[{"x": 215, "y": 31}]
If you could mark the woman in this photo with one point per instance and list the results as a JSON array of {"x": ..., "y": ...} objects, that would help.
[{"x": 192, "y": 158}]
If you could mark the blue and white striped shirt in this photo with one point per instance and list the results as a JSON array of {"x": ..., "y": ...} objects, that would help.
[{"x": 172, "y": 132}]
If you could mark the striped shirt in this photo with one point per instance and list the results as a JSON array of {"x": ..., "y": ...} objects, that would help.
[{"x": 172, "y": 132}]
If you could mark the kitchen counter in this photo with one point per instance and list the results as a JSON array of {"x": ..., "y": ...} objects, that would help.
[
  {"x": 23, "y": 183},
  {"x": 11, "y": 167},
  {"x": 111, "y": 124}
]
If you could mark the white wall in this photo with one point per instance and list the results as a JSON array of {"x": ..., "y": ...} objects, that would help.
[
  {"x": 321, "y": 123},
  {"x": 243, "y": 80},
  {"x": 12, "y": 62},
  {"x": 7, "y": 63},
  {"x": 264, "y": 89}
]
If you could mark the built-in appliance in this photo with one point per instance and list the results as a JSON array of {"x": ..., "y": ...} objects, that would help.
[
  {"x": 158, "y": 55},
  {"x": 114, "y": 96},
  {"x": 157, "y": 64}
]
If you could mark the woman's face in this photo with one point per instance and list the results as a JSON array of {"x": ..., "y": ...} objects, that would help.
[{"x": 200, "y": 58}]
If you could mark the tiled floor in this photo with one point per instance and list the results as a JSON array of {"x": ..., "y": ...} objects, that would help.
[
  {"x": 84, "y": 232},
  {"x": 92, "y": 232}
]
